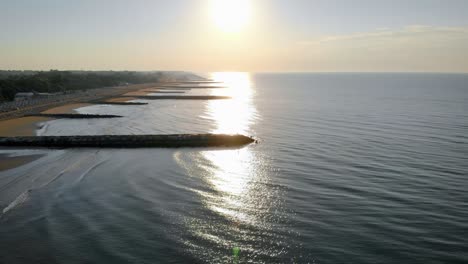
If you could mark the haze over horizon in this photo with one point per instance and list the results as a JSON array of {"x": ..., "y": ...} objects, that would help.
[{"x": 242, "y": 35}]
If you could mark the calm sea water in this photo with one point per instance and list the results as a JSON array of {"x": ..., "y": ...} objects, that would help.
[{"x": 349, "y": 168}]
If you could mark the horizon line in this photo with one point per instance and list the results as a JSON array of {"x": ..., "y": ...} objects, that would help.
[{"x": 255, "y": 72}]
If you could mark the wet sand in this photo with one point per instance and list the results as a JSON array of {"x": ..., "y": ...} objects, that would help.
[
  {"x": 65, "y": 109},
  {"x": 149, "y": 90},
  {"x": 26, "y": 126},
  {"x": 23, "y": 126},
  {"x": 13, "y": 126},
  {"x": 120, "y": 99},
  {"x": 7, "y": 162},
  {"x": 142, "y": 92}
]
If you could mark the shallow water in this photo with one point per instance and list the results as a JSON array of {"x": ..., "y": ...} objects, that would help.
[{"x": 355, "y": 168}]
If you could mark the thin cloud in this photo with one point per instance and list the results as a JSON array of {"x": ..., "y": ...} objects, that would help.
[
  {"x": 414, "y": 31},
  {"x": 412, "y": 48}
]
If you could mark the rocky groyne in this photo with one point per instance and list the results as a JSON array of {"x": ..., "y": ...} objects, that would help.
[
  {"x": 78, "y": 116},
  {"x": 182, "y": 97},
  {"x": 119, "y": 103},
  {"x": 168, "y": 92},
  {"x": 129, "y": 141},
  {"x": 194, "y": 87}
]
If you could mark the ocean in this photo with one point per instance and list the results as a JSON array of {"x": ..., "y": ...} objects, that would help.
[{"x": 348, "y": 168}]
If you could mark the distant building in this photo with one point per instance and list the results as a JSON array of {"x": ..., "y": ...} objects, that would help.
[
  {"x": 31, "y": 95},
  {"x": 23, "y": 96},
  {"x": 38, "y": 95}
]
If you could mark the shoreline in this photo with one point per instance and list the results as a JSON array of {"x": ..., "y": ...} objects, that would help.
[
  {"x": 65, "y": 109},
  {"x": 22, "y": 126},
  {"x": 119, "y": 99},
  {"x": 16, "y": 123},
  {"x": 99, "y": 94},
  {"x": 27, "y": 125}
]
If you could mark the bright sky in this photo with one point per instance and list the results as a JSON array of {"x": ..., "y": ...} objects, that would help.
[{"x": 235, "y": 35}]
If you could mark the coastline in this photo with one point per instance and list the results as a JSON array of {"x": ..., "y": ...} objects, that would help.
[
  {"x": 65, "y": 109},
  {"x": 120, "y": 99},
  {"x": 21, "y": 126},
  {"x": 15, "y": 123},
  {"x": 26, "y": 126},
  {"x": 92, "y": 95},
  {"x": 140, "y": 92}
]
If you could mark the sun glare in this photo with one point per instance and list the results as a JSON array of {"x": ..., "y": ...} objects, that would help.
[
  {"x": 237, "y": 114},
  {"x": 231, "y": 15}
]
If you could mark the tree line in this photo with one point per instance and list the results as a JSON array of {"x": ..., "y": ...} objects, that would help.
[{"x": 65, "y": 81}]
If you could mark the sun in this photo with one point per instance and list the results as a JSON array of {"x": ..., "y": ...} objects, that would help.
[{"x": 231, "y": 15}]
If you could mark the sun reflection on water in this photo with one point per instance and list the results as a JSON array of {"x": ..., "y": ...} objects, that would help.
[
  {"x": 236, "y": 189},
  {"x": 231, "y": 170},
  {"x": 230, "y": 174},
  {"x": 233, "y": 116}
]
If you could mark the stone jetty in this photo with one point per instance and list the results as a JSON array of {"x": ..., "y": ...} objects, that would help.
[
  {"x": 193, "y": 87},
  {"x": 119, "y": 103},
  {"x": 173, "y": 88},
  {"x": 168, "y": 92},
  {"x": 129, "y": 141},
  {"x": 194, "y": 82},
  {"x": 181, "y": 97},
  {"x": 78, "y": 116}
]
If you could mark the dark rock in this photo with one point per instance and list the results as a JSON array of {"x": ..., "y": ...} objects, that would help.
[{"x": 129, "y": 141}]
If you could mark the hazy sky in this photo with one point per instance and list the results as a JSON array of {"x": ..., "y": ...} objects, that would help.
[{"x": 277, "y": 35}]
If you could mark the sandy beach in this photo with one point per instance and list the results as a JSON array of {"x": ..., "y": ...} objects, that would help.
[
  {"x": 23, "y": 126},
  {"x": 26, "y": 126},
  {"x": 17, "y": 125},
  {"x": 65, "y": 109},
  {"x": 120, "y": 99},
  {"x": 141, "y": 92}
]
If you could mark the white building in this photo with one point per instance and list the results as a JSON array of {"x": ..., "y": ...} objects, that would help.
[
  {"x": 32, "y": 95},
  {"x": 23, "y": 96}
]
